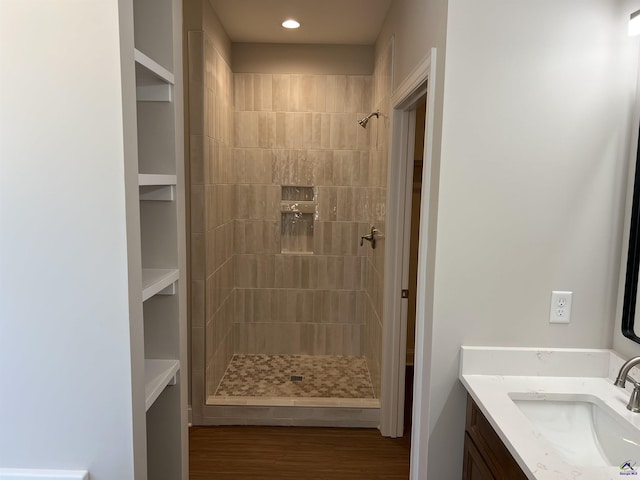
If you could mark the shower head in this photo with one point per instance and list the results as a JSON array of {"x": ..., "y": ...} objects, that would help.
[{"x": 363, "y": 121}]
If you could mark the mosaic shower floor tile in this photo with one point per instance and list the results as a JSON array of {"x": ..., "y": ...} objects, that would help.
[{"x": 296, "y": 376}]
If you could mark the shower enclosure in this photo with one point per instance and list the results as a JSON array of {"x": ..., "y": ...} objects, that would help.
[{"x": 286, "y": 303}]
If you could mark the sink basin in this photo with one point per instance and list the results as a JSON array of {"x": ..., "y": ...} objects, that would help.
[{"x": 583, "y": 430}]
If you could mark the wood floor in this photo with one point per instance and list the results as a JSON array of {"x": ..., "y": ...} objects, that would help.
[
  {"x": 301, "y": 453},
  {"x": 265, "y": 453}
]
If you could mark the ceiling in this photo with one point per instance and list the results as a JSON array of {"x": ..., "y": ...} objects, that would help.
[{"x": 337, "y": 22}]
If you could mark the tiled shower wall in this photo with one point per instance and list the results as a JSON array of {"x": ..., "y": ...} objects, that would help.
[
  {"x": 377, "y": 193},
  {"x": 249, "y": 135},
  {"x": 212, "y": 207},
  {"x": 301, "y": 130}
]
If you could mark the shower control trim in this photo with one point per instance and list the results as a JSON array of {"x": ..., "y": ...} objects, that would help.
[{"x": 370, "y": 237}]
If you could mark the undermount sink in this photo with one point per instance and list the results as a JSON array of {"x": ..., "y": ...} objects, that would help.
[{"x": 581, "y": 428}]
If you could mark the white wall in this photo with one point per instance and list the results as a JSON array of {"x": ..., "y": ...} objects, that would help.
[
  {"x": 621, "y": 344},
  {"x": 535, "y": 139},
  {"x": 417, "y": 26},
  {"x": 65, "y": 400}
]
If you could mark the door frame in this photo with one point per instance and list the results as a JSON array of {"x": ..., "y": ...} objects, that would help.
[{"x": 399, "y": 186}]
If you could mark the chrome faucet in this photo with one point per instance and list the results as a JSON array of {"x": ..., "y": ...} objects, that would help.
[{"x": 634, "y": 400}]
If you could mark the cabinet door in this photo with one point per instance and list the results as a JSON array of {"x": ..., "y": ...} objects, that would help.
[
  {"x": 474, "y": 466},
  {"x": 486, "y": 443}
]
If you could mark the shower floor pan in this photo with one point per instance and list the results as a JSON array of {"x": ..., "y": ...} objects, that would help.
[{"x": 296, "y": 380}]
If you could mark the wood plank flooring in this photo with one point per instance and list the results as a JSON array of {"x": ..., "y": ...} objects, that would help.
[{"x": 283, "y": 453}]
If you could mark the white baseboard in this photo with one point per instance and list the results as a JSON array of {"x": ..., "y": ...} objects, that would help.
[{"x": 33, "y": 474}]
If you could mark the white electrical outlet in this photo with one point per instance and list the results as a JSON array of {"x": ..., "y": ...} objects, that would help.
[{"x": 560, "y": 307}]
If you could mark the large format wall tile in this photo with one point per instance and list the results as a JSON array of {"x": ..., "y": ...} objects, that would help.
[
  {"x": 297, "y": 338},
  {"x": 255, "y": 134},
  {"x": 376, "y": 198},
  {"x": 212, "y": 205},
  {"x": 300, "y": 130}
]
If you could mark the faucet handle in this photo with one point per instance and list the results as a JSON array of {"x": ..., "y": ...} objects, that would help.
[
  {"x": 370, "y": 237},
  {"x": 624, "y": 370}
]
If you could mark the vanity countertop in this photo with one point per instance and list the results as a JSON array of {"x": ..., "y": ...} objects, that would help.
[{"x": 491, "y": 374}]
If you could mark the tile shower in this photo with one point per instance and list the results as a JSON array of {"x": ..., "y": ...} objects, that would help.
[{"x": 283, "y": 184}]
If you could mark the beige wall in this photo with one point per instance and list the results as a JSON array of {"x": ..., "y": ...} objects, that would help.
[
  {"x": 287, "y": 129},
  {"x": 377, "y": 195},
  {"x": 300, "y": 130},
  {"x": 303, "y": 59},
  {"x": 210, "y": 114}
]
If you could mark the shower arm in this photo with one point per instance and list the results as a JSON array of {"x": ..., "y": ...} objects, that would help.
[{"x": 363, "y": 121}]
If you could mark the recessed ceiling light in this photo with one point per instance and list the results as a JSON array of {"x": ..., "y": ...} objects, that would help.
[{"x": 291, "y": 23}]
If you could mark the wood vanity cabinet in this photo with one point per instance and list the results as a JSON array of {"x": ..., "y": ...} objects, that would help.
[{"x": 485, "y": 456}]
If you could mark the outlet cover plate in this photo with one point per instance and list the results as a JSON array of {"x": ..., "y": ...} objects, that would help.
[{"x": 560, "y": 311}]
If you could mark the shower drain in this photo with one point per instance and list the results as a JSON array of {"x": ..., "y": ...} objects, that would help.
[{"x": 296, "y": 378}]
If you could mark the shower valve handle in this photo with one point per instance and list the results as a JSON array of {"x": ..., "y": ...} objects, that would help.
[{"x": 370, "y": 237}]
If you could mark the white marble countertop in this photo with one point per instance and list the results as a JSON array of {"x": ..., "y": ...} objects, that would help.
[{"x": 490, "y": 374}]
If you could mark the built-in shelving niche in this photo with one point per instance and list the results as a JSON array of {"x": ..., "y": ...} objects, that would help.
[
  {"x": 155, "y": 114},
  {"x": 160, "y": 349},
  {"x": 164, "y": 442},
  {"x": 154, "y": 30},
  {"x": 153, "y": 82},
  {"x": 158, "y": 281},
  {"x": 157, "y": 55},
  {"x": 297, "y": 214},
  {"x": 157, "y": 187},
  {"x": 158, "y": 374},
  {"x": 155, "y": 121}
]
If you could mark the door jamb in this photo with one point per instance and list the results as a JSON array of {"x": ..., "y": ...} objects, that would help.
[{"x": 418, "y": 82}]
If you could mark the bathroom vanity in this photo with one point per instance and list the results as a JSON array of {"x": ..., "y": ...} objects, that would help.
[
  {"x": 547, "y": 414},
  {"x": 485, "y": 456}
]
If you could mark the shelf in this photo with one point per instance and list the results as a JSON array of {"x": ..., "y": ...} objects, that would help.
[
  {"x": 153, "y": 81},
  {"x": 157, "y": 187},
  {"x": 149, "y": 179},
  {"x": 158, "y": 281},
  {"x": 297, "y": 206},
  {"x": 155, "y": 126},
  {"x": 157, "y": 193},
  {"x": 157, "y": 375},
  {"x": 151, "y": 73}
]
